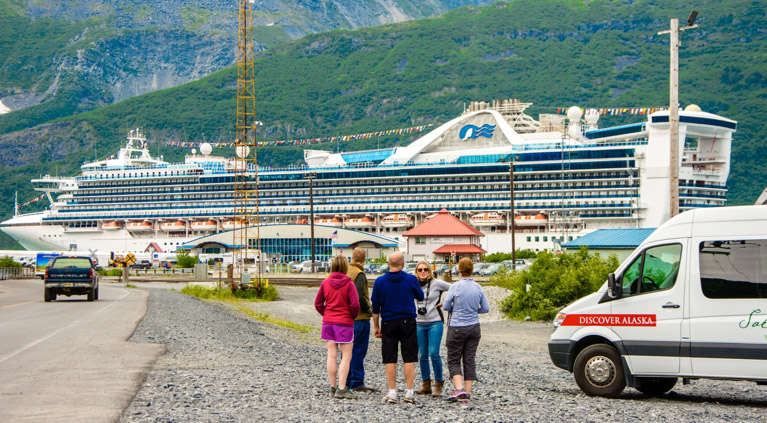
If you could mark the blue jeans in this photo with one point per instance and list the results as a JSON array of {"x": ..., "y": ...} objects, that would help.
[
  {"x": 429, "y": 338},
  {"x": 359, "y": 351}
]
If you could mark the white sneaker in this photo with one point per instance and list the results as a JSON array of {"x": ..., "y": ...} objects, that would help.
[{"x": 389, "y": 399}]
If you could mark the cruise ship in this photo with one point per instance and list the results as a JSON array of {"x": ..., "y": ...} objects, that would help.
[{"x": 570, "y": 177}]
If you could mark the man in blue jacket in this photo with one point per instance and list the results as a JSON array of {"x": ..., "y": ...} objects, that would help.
[{"x": 393, "y": 301}]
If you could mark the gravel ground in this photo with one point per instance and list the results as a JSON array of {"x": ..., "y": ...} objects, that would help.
[{"x": 222, "y": 366}]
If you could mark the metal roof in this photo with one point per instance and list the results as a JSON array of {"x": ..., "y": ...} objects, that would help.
[{"x": 611, "y": 238}]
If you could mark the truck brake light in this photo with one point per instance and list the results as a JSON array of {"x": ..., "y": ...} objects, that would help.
[
  {"x": 46, "y": 273},
  {"x": 90, "y": 274}
]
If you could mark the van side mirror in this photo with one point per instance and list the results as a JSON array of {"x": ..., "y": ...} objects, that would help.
[{"x": 614, "y": 288}]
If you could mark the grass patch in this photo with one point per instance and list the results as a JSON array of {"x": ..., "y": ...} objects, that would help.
[
  {"x": 130, "y": 285},
  {"x": 226, "y": 296}
]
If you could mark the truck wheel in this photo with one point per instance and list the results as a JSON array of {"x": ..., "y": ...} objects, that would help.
[
  {"x": 91, "y": 294},
  {"x": 96, "y": 295},
  {"x": 655, "y": 386},
  {"x": 598, "y": 371},
  {"x": 47, "y": 295}
]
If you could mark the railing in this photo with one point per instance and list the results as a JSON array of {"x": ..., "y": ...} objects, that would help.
[{"x": 17, "y": 273}]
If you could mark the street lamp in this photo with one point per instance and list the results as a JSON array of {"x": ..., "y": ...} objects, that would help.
[
  {"x": 310, "y": 176},
  {"x": 673, "y": 106}
]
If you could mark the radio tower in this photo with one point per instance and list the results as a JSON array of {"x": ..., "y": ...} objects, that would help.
[{"x": 246, "y": 241}]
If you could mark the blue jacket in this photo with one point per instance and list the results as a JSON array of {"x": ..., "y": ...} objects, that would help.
[{"x": 394, "y": 295}]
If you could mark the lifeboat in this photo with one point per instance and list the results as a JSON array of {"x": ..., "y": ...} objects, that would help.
[
  {"x": 229, "y": 225},
  {"x": 539, "y": 219},
  {"x": 177, "y": 226},
  {"x": 139, "y": 226},
  {"x": 360, "y": 222},
  {"x": 336, "y": 221},
  {"x": 111, "y": 226},
  {"x": 487, "y": 219},
  {"x": 397, "y": 221},
  {"x": 301, "y": 222},
  {"x": 204, "y": 226}
]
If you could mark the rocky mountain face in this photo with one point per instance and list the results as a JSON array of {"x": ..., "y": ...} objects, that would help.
[{"x": 128, "y": 48}]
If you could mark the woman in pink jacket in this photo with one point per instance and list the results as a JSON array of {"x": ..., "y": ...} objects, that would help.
[{"x": 338, "y": 303}]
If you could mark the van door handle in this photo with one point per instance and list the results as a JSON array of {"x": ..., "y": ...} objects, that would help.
[{"x": 670, "y": 305}]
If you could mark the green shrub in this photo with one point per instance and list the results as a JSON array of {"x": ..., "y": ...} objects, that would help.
[
  {"x": 554, "y": 281},
  {"x": 111, "y": 272},
  {"x": 499, "y": 257},
  {"x": 184, "y": 260},
  {"x": 268, "y": 293},
  {"x": 9, "y": 262}
]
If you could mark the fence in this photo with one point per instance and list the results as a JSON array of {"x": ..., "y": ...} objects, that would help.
[{"x": 17, "y": 273}]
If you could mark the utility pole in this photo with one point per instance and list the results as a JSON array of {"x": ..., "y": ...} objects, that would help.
[
  {"x": 674, "y": 108},
  {"x": 511, "y": 201},
  {"x": 310, "y": 176}
]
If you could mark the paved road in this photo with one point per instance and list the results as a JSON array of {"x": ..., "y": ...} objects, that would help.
[{"x": 69, "y": 360}]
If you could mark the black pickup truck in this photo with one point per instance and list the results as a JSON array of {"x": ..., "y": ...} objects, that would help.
[{"x": 71, "y": 275}]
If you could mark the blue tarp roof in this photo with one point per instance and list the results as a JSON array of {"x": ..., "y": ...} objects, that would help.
[{"x": 611, "y": 238}]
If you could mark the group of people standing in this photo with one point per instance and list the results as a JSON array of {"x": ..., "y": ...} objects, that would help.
[{"x": 408, "y": 315}]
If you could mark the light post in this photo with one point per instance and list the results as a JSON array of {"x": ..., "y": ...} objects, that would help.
[
  {"x": 310, "y": 176},
  {"x": 673, "y": 106},
  {"x": 511, "y": 225}
]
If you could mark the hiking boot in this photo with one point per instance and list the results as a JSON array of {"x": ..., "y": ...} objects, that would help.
[
  {"x": 425, "y": 388},
  {"x": 410, "y": 399},
  {"x": 437, "y": 392},
  {"x": 457, "y": 395},
  {"x": 344, "y": 394},
  {"x": 332, "y": 391},
  {"x": 389, "y": 400}
]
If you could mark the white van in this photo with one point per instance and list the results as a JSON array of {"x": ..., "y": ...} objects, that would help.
[{"x": 690, "y": 302}]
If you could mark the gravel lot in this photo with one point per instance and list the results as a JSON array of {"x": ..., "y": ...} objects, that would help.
[{"x": 223, "y": 366}]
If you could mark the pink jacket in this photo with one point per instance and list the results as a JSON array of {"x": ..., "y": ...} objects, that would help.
[{"x": 337, "y": 300}]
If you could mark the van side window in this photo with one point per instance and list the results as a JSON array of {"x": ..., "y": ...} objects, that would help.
[
  {"x": 733, "y": 269},
  {"x": 654, "y": 270}
]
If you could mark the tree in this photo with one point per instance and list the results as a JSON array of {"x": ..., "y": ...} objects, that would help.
[
  {"x": 552, "y": 282},
  {"x": 184, "y": 260}
]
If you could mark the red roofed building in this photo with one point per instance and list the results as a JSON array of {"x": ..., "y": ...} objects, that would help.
[{"x": 437, "y": 238}]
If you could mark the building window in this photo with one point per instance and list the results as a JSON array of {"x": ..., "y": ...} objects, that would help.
[
  {"x": 420, "y": 240},
  {"x": 545, "y": 239},
  {"x": 528, "y": 239},
  {"x": 537, "y": 239}
]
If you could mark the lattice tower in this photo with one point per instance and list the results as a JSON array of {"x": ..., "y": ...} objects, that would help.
[{"x": 246, "y": 238}]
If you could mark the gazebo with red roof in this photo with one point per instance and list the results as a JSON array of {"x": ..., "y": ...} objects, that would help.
[{"x": 441, "y": 236}]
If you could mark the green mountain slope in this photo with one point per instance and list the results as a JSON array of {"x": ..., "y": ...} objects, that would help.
[{"x": 554, "y": 53}]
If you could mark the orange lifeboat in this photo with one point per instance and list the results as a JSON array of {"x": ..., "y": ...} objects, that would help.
[
  {"x": 139, "y": 226},
  {"x": 204, "y": 226},
  {"x": 487, "y": 219},
  {"x": 229, "y": 225},
  {"x": 111, "y": 226},
  {"x": 336, "y": 221},
  {"x": 360, "y": 222},
  {"x": 177, "y": 226},
  {"x": 301, "y": 222},
  {"x": 539, "y": 219},
  {"x": 397, "y": 220}
]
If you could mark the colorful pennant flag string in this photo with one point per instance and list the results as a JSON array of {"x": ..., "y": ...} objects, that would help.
[
  {"x": 305, "y": 141},
  {"x": 617, "y": 111},
  {"x": 34, "y": 200}
]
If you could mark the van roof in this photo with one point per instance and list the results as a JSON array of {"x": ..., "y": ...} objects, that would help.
[{"x": 716, "y": 221}]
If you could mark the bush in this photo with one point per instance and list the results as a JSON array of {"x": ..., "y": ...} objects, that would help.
[
  {"x": 9, "y": 262},
  {"x": 184, "y": 260},
  {"x": 555, "y": 281},
  {"x": 499, "y": 257},
  {"x": 111, "y": 272},
  {"x": 268, "y": 293}
]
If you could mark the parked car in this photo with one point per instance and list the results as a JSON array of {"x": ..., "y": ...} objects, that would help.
[
  {"x": 441, "y": 269},
  {"x": 410, "y": 267},
  {"x": 371, "y": 267},
  {"x": 381, "y": 270},
  {"x": 143, "y": 264},
  {"x": 71, "y": 275},
  {"x": 479, "y": 267}
]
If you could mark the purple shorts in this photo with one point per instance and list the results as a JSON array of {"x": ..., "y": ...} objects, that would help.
[{"x": 337, "y": 333}]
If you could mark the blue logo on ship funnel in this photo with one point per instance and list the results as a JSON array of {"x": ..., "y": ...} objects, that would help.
[{"x": 472, "y": 131}]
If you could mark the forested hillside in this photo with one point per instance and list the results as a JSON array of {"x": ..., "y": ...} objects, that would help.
[{"x": 553, "y": 53}]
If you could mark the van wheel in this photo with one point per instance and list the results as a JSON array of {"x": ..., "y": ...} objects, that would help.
[
  {"x": 655, "y": 386},
  {"x": 598, "y": 371}
]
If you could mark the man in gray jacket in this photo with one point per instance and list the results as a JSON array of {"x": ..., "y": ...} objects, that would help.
[{"x": 361, "y": 324}]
